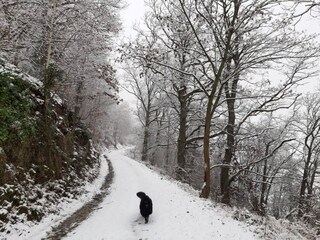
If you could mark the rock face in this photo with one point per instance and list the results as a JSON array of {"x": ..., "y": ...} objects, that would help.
[{"x": 41, "y": 161}]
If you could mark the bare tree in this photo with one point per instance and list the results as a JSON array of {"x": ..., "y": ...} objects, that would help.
[
  {"x": 309, "y": 128},
  {"x": 64, "y": 38},
  {"x": 143, "y": 85},
  {"x": 236, "y": 46}
]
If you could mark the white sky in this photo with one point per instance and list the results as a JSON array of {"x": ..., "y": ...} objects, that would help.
[
  {"x": 311, "y": 24},
  {"x": 131, "y": 15}
]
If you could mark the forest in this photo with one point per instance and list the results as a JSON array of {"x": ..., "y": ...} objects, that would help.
[
  {"x": 218, "y": 87},
  {"x": 219, "y": 98}
]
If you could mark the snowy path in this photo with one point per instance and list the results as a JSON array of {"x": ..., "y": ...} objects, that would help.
[{"x": 177, "y": 214}]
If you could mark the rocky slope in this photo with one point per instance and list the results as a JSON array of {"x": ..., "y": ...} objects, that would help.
[{"x": 37, "y": 172}]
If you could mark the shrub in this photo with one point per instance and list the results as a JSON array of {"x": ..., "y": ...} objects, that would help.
[{"x": 15, "y": 109}]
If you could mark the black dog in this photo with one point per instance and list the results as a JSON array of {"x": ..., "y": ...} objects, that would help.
[{"x": 145, "y": 205}]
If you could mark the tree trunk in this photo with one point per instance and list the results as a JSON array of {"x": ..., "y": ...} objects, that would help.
[
  {"x": 167, "y": 161},
  {"x": 181, "y": 151},
  {"x": 48, "y": 78},
  {"x": 157, "y": 139},
  {"x": 145, "y": 145},
  {"x": 304, "y": 185},
  {"x": 264, "y": 185},
  {"x": 229, "y": 152},
  {"x": 205, "y": 191}
]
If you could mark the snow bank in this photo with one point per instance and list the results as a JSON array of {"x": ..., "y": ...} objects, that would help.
[{"x": 34, "y": 231}]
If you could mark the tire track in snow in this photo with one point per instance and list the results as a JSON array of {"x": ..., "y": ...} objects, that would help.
[{"x": 83, "y": 213}]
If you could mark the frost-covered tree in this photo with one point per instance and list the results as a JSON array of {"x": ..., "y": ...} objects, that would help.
[
  {"x": 308, "y": 127},
  {"x": 234, "y": 44},
  {"x": 143, "y": 85},
  {"x": 73, "y": 38}
]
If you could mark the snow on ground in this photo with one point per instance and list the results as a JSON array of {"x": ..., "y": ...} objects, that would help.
[
  {"x": 177, "y": 214},
  {"x": 30, "y": 231}
]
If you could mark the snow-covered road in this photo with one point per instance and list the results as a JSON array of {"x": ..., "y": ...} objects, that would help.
[{"x": 178, "y": 214}]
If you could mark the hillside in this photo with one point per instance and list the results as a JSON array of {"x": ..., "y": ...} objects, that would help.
[
  {"x": 41, "y": 164},
  {"x": 178, "y": 212}
]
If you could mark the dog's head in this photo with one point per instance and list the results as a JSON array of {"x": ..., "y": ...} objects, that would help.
[{"x": 141, "y": 194}]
